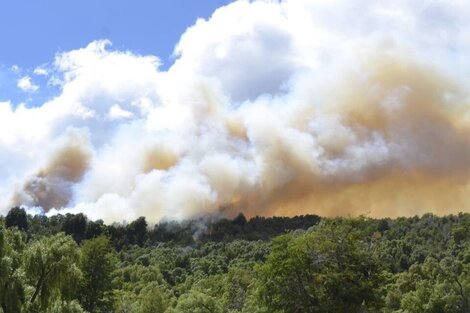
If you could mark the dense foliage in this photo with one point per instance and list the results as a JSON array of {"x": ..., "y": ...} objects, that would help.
[{"x": 67, "y": 263}]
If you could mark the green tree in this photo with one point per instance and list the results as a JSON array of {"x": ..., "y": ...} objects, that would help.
[
  {"x": 197, "y": 302},
  {"x": 97, "y": 264},
  {"x": 154, "y": 299},
  {"x": 328, "y": 269},
  {"x": 51, "y": 267},
  {"x": 432, "y": 287},
  {"x": 60, "y": 306},
  {"x": 12, "y": 294},
  {"x": 237, "y": 282}
]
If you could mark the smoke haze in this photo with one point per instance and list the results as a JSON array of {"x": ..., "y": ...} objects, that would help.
[{"x": 271, "y": 107}]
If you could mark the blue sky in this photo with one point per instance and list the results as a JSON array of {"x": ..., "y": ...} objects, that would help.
[{"x": 32, "y": 32}]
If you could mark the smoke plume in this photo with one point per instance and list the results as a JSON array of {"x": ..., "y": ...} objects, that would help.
[
  {"x": 51, "y": 186},
  {"x": 271, "y": 108}
]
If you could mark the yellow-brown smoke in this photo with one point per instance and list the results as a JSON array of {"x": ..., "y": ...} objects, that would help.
[
  {"x": 427, "y": 138},
  {"x": 391, "y": 140},
  {"x": 271, "y": 108},
  {"x": 51, "y": 186}
]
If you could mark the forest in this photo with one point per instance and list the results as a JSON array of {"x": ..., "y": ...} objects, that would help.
[{"x": 303, "y": 264}]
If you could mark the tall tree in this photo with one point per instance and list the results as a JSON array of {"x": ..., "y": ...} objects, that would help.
[
  {"x": 328, "y": 269},
  {"x": 137, "y": 231},
  {"x": 17, "y": 217},
  {"x": 97, "y": 264},
  {"x": 75, "y": 225},
  {"x": 12, "y": 294},
  {"x": 51, "y": 267}
]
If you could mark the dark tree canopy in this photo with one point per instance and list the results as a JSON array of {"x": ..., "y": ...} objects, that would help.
[
  {"x": 76, "y": 226},
  {"x": 17, "y": 217},
  {"x": 239, "y": 220},
  {"x": 137, "y": 231}
]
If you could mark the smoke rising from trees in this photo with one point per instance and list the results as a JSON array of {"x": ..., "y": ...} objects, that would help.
[{"x": 290, "y": 107}]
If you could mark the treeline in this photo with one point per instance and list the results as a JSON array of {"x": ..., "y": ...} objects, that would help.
[
  {"x": 67, "y": 263},
  {"x": 139, "y": 232}
]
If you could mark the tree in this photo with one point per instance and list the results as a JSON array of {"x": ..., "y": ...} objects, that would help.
[
  {"x": 76, "y": 226},
  {"x": 137, "y": 231},
  {"x": 50, "y": 265},
  {"x": 17, "y": 217},
  {"x": 240, "y": 220},
  {"x": 328, "y": 269},
  {"x": 94, "y": 229},
  {"x": 154, "y": 299},
  {"x": 432, "y": 287},
  {"x": 97, "y": 264},
  {"x": 60, "y": 306},
  {"x": 12, "y": 294},
  {"x": 237, "y": 283},
  {"x": 197, "y": 302}
]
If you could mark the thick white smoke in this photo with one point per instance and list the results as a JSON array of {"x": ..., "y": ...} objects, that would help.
[{"x": 271, "y": 107}]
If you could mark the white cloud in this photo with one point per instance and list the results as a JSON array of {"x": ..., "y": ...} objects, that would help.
[
  {"x": 15, "y": 68},
  {"x": 116, "y": 112},
  {"x": 40, "y": 71},
  {"x": 25, "y": 84},
  {"x": 270, "y": 107}
]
